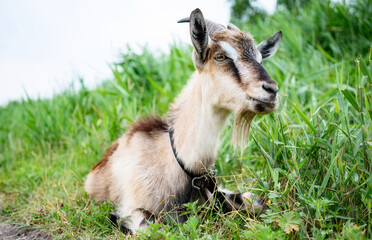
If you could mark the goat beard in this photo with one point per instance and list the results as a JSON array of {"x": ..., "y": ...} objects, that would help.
[{"x": 241, "y": 128}]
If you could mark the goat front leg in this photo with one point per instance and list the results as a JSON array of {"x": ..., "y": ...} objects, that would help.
[{"x": 247, "y": 201}]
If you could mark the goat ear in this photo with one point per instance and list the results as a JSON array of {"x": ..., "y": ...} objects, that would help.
[
  {"x": 269, "y": 46},
  {"x": 199, "y": 36}
]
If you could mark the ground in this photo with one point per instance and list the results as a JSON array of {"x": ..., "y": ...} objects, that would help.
[{"x": 10, "y": 231}]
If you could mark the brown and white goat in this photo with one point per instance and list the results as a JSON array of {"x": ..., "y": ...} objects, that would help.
[{"x": 147, "y": 171}]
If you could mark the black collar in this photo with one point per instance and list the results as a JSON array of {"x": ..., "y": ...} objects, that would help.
[
  {"x": 180, "y": 162},
  {"x": 206, "y": 180}
]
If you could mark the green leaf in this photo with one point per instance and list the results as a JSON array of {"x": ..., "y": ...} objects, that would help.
[
  {"x": 303, "y": 117},
  {"x": 323, "y": 142},
  {"x": 155, "y": 85},
  {"x": 358, "y": 142},
  {"x": 337, "y": 107},
  {"x": 120, "y": 88},
  {"x": 319, "y": 73},
  {"x": 290, "y": 221},
  {"x": 330, "y": 169},
  {"x": 351, "y": 172},
  {"x": 274, "y": 174},
  {"x": 363, "y": 81},
  {"x": 351, "y": 98},
  {"x": 364, "y": 68}
]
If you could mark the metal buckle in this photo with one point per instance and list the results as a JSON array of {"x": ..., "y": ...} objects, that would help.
[
  {"x": 210, "y": 174},
  {"x": 197, "y": 178}
]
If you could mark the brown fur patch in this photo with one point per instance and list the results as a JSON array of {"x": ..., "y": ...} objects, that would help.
[
  {"x": 105, "y": 158},
  {"x": 149, "y": 126}
]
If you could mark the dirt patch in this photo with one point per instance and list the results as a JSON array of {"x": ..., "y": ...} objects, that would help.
[{"x": 10, "y": 231}]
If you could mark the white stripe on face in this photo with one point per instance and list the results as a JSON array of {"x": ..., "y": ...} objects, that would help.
[{"x": 230, "y": 51}]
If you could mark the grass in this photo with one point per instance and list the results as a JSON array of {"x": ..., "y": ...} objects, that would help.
[{"x": 311, "y": 158}]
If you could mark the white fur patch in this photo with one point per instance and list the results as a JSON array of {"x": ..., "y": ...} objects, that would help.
[
  {"x": 230, "y": 51},
  {"x": 259, "y": 57}
]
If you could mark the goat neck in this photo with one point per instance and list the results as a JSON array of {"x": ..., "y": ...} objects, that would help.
[{"x": 197, "y": 125}]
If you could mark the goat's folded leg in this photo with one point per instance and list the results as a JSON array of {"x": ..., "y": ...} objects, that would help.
[
  {"x": 137, "y": 220},
  {"x": 122, "y": 224},
  {"x": 246, "y": 201}
]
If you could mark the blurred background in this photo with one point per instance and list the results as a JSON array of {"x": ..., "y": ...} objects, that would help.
[{"x": 45, "y": 45}]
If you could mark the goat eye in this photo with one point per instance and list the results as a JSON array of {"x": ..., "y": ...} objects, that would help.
[{"x": 220, "y": 58}]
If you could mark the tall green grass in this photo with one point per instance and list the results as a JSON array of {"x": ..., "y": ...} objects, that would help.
[{"x": 311, "y": 158}]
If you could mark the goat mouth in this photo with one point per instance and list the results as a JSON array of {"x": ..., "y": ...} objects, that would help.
[{"x": 266, "y": 101}]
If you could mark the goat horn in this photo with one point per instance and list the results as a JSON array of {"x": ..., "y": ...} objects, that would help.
[
  {"x": 212, "y": 27},
  {"x": 231, "y": 26}
]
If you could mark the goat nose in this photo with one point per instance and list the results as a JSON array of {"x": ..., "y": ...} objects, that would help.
[{"x": 273, "y": 89}]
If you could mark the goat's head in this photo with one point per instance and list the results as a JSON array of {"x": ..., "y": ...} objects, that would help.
[{"x": 233, "y": 63}]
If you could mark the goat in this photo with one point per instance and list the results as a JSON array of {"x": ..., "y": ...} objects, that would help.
[{"x": 151, "y": 169}]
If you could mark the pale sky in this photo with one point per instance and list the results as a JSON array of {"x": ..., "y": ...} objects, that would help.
[{"x": 45, "y": 45}]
